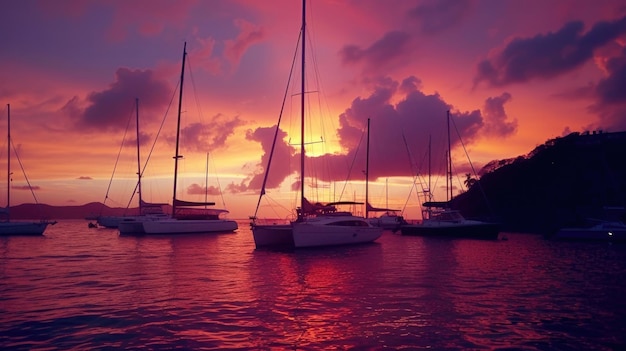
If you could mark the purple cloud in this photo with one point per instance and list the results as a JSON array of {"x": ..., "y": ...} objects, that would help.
[
  {"x": 435, "y": 16},
  {"x": 109, "y": 109},
  {"x": 209, "y": 136},
  {"x": 393, "y": 46},
  {"x": 610, "y": 95},
  {"x": 403, "y": 119},
  {"x": 249, "y": 35},
  {"x": 281, "y": 161},
  {"x": 549, "y": 55},
  {"x": 496, "y": 120}
]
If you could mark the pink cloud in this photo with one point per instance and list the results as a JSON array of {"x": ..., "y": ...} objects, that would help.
[
  {"x": 249, "y": 35},
  {"x": 211, "y": 135},
  {"x": 196, "y": 189},
  {"x": 25, "y": 187}
]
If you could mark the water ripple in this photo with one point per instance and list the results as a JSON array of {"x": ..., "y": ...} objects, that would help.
[{"x": 86, "y": 289}]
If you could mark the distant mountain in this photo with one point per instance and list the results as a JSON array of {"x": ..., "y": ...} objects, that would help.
[
  {"x": 559, "y": 183},
  {"x": 90, "y": 210}
]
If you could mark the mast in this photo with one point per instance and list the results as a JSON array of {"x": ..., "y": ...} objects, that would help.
[
  {"x": 138, "y": 158},
  {"x": 302, "y": 86},
  {"x": 449, "y": 164},
  {"x": 8, "y": 158},
  {"x": 367, "y": 170},
  {"x": 180, "y": 104},
  {"x": 206, "y": 180},
  {"x": 430, "y": 191}
]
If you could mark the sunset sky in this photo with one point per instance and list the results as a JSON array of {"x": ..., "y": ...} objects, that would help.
[{"x": 512, "y": 73}]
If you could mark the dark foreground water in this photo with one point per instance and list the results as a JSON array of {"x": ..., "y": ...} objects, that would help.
[{"x": 83, "y": 289}]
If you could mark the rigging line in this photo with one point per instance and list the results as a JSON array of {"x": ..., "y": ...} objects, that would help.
[
  {"x": 482, "y": 191},
  {"x": 219, "y": 186},
  {"x": 106, "y": 196},
  {"x": 313, "y": 44},
  {"x": 156, "y": 138},
  {"x": 413, "y": 171},
  {"x": 280, "y": 116},
  {"x": 201, "y": 115},
  {"x": 195, "y": 91},
  {"x": 159, "y": 130},
  {"x": 351, "y": 165},
  {"x": 19, "y": 160}
]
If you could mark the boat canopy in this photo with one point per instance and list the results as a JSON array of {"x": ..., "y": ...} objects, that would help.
[
  {"x": 192, "y": 204},
  {"x": 370, "y": 208},
  {"x": 440, "y": 204}
]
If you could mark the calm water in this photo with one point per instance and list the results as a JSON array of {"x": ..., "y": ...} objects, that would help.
[{"x": 82, "y": 289}]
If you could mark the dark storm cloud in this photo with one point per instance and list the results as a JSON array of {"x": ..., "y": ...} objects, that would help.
[
  {"x": 610, "y": 95},
  {"x": 109, "y": 109},
  {"x": 403, "y": 120},
  {"x": 435, "y": 16},
  {"x": 612, "y": 89},
  {"x": 548, "y": 55},
  {"x": 281, "y": 161},
  {"x": 391, "y": 47}
]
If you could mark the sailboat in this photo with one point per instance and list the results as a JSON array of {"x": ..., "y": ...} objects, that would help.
[
  {"x": 187, "y": 216},
  {"x": 8, "y": 227},
  {"x": 316, "y": 224},
  {"x": 145, "y": 208},
  {"x": 440, "y": 220},
  {"x": 389, "y": 219}
]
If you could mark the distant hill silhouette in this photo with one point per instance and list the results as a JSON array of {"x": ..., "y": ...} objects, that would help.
[
  {"x": 559, "y": 183},
  {"x": 90, "y": 210}
]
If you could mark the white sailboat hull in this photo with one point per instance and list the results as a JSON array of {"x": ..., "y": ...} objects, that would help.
[
  {"x": 316, "y": 232},
  {"x": 23, "y": 228},
  {"x": 146, "y": 226},
  {"x": 115, "y": 221}
]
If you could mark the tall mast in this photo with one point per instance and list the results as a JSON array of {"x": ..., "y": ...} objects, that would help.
[
  {"x": 8, "y": 157},
  {"x": 180, "y": 104},
  {"x": 430, "y": 191},
  {"x": 206, "y": 180},
  {"x": 302, "y": 86},
  {"x": 367, "y": 170},
  {"x": 138, "y": 157},
  {"x": 449, "y": 163}
]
